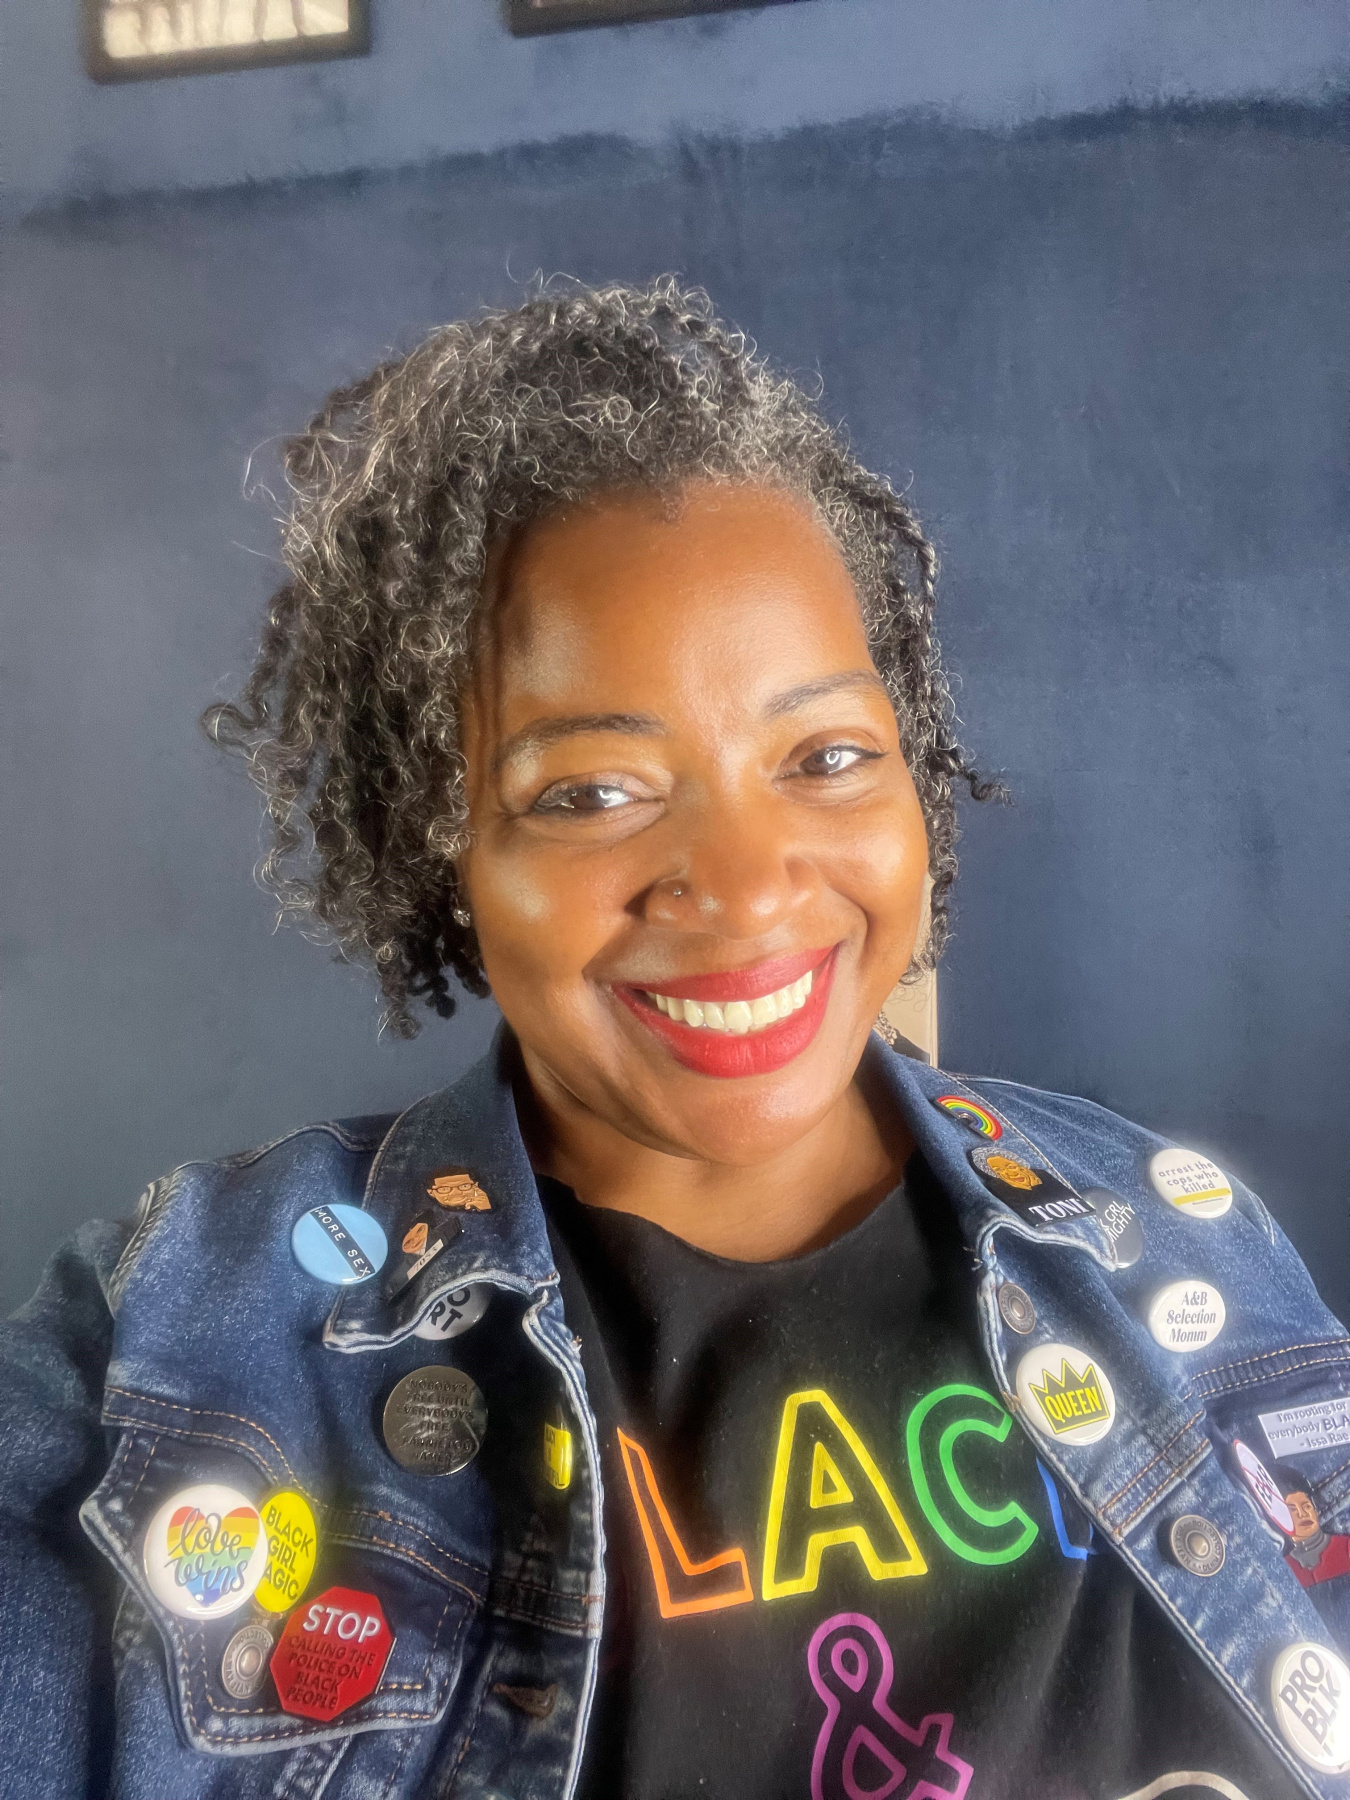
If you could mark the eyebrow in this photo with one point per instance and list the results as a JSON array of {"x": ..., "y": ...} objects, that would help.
[
  {"x": 791, "y": 698},
  {"x": 544, "y": 732}
]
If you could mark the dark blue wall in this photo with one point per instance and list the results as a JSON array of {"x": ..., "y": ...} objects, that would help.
[{"x": 1112, "y": 354}]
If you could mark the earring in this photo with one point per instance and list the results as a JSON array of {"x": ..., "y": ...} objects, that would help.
[{"x": 461, "y": 915}]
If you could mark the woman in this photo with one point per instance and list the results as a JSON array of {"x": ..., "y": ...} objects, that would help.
[{"x": 699, "y": 1398}]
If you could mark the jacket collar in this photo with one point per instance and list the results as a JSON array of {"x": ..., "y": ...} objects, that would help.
[{"x": 473, "y": 1126}]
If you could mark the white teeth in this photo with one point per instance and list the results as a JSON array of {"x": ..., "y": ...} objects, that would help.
[{"x": 737, "y": 1016}]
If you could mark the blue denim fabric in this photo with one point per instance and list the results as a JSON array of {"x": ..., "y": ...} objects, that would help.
[{"x": 189, "y": 1347}]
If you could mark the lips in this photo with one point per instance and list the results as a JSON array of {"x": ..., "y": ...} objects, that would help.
[{"x": 758, "y": 1052}]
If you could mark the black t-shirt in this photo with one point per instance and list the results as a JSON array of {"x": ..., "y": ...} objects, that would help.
[{"x": 836, "y": 1568}]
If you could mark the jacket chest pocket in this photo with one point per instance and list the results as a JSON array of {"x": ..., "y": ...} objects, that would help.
[{"x": 371, "y": 1649}]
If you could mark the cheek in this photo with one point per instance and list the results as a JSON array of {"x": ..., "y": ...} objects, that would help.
[{"x": 544, "y": 916}]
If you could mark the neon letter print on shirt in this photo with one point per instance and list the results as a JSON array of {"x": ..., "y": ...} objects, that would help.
[
  {"x": 1007, "y": 1532},
  {"x": 828, "y": 1490},
  {"x": 865, "y": 1751},
  {"x": 682, "y": 1586}
]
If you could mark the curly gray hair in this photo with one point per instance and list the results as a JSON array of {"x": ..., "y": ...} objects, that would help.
[{"x": 350, "y": 720}]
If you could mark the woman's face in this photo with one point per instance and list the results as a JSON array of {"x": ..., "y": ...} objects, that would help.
[{"x": 698, "y": 858}]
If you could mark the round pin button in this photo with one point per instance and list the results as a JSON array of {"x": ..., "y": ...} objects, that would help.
[
  {"x": 1064, "y": 1395},
  {"x": 1015, "y": 1305},
  {"x": 243, "y": 1668},
  {"x": 292, "y": 1545},
  {"x": 331, "y": 1654},
  {"x": 339, "y": 1244},
  {"x": 1310, "y": 1696},
  {"x": 1120, "y": 1223},
  {"x": 1186, "y": 1315},
  {"x": 435, "y": 1421},
  {"x": 1263, "y": 1489},
  {"x": 454, "y": 1312},
  {"x": 1196, "y": 1544},
  {"x": 1191, "y": 1183},
  {"x": 204, "y": 1552}
]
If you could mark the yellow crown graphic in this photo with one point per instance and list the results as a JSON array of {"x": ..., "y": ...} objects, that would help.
[{"x": 1069, "y": 1399}]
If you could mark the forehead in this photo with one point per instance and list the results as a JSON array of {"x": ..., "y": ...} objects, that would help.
[{"x": 729, "y": 583}]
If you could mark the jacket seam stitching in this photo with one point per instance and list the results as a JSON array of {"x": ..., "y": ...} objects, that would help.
[
  {"x": 1177, "y": 1473},
  {"x": 1152, "y": 1462}
]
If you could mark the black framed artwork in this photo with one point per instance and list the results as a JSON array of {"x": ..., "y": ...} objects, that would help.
[
  {"x": 133, "y": 40},
  {"x": 527, "y": 17}
]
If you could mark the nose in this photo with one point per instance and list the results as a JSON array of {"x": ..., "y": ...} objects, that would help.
[{"x": 737, "y": 870}]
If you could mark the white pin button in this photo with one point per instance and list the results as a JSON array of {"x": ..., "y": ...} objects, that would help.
[
  {"x": 1310, "y": 1696},
  {"x": 1186, "y": 1315},
  {"x": 1064, "y": 1394},
  {"x": 205, "y": 1552},
  {"x": 1264, "y": 1491},
  {"x": 454, "y": 1312},
  {"x": 1191, "y": 1183}
]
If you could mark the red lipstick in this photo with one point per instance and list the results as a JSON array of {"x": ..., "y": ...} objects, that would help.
[{"x": 724, "y": 1054}]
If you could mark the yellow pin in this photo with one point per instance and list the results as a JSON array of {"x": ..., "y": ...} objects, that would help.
[
  {"x": 292, "y": 1547},
  {"x": 558, "y": 1455}
]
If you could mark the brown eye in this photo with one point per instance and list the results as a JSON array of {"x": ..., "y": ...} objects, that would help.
[
  {"x": 836, "y": 759},
  {"x": 582, "y": 797}
]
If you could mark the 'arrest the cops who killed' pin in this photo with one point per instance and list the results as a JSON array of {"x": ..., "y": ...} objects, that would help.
[
  {"x": 1191, "y": 1183},
  {"x": 205, "y": 1551},
  {"x": 1186, "y": 1315},
  {"x": 435, "y": 1421},
  {"x": 454, "y": 1312},
  {"x": 1065, "y": 1395},
  {"x": 339, "y": 1244}
]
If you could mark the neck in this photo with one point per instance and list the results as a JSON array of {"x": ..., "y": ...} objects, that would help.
[{"x": 796, "y": 1200}]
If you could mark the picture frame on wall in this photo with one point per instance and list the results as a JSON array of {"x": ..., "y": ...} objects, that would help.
[
  {"x": 527, "y": 17},
  {"x": 138, "y": 40}
]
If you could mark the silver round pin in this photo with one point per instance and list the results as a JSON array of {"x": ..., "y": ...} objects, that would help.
[
  {"x": 1196, "y": 1544},
  {"x": 1015, "y": 1305},
  {"x": 435, "y": 1421},
  {"x": 243, "y": 1668}
]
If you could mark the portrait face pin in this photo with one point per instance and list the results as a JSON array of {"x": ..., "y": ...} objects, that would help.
[
  {"x": 1033, "y": 1193},
  {"x": 457, "y": 1189},
  {"x": 1064, "y": 1394},
  {"x": 422, "y": 1242},
  {"x": 339, "y": 1244},
  {"x": 204, "y": 1552},
  {"x": 1191, "y": 1183}
]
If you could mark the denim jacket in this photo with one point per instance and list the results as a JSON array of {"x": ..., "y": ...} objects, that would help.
[{"x": 188, "y": 1346}]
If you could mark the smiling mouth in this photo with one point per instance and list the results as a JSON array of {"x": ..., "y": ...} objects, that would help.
[
  {"x": 739, "y": 1021},
  {"x": 739, "y": 1017}
]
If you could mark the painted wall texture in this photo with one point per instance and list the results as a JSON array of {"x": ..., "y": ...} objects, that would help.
[
  {"x": 1108, "y": 353},
  {"x": 446, "y": 78}
]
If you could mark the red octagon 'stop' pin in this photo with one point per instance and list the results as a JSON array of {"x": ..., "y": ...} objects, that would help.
[{"x": 331, "y": 1654}]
